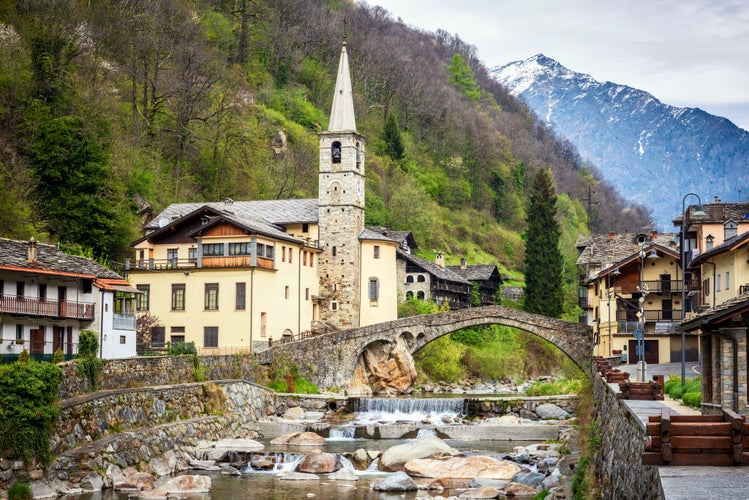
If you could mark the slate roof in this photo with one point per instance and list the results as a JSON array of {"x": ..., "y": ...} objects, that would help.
[
  {"x": 404, "y": 238},
  {"x": 433, "y": 269},
  {"x": 726, "y": 246},
  {"x": 298, "y": 211},
  {"x": 370, "y": 234},
  {"x": 14, "y": 256},
  {"x": 719, "y": 213},
  {"x": 607, "y": 250},
  {"x": 476, "y": 272},
  {"x": 250, "y": 225},
  {"x": 729, "y": 308}
]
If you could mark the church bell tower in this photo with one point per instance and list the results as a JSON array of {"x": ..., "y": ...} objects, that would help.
[{"x": 341, "y": 207}]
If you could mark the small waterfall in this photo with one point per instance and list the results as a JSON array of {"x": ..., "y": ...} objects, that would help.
[
  {"x": 425, "y": 433},
  {"x": 346, "y": 463},
  {"x": 282, "y": 462},
  {"x": 374, "y": 466},
  {"x": 342, "y": 434},
  {"x": 432, "y": 410}
]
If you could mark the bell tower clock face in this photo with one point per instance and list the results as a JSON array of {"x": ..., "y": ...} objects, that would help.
[{"x": 359, "y": 190}]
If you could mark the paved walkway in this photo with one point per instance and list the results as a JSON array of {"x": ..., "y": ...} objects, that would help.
[{"x": 688, "y": 482}]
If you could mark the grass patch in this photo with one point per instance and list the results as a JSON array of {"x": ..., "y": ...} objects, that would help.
[{"x": 555, "y": 387}]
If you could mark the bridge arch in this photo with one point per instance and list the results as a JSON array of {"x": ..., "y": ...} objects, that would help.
[{"x": 331, "y": 359}]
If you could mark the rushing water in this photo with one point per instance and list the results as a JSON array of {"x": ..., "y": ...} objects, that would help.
[{"x": 422, "y": 413}]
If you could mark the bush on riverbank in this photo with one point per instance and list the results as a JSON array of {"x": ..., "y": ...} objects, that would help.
[{"x": 555, "y": 387}]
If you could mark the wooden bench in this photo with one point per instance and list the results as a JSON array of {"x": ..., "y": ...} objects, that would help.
[
  {"x": 697, "y": 439},
  {"x": 642, "y": 391}
]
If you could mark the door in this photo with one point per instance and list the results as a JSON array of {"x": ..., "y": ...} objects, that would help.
[
  {"x": 651, "y": 352},
  {"x": 665, "y": 283},
  {"x": 37, "y": 341},
  {"x": 61, "y": 304},
  {"x": 58, "y": 338},
  {"x": 69, "y": 350}
]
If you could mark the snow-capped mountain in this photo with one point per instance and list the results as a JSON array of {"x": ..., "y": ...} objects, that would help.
[{"x": 651, "y": 152}]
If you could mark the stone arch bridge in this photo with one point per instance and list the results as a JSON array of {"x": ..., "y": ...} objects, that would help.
[{"x": 339, "y": 359}]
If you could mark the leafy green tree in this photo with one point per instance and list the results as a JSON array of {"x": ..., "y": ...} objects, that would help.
[
  {"x": 88, "y": 364},
  {"x": 391, "y": 134},
  {"x": 461, "y": 75},
  {"x": 544, "y": 266}
]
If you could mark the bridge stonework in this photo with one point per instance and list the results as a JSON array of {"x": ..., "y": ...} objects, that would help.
[{"x": 330, "y": 359}]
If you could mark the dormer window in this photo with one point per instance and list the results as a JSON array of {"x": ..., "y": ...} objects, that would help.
[{"x": 335, "y": 152}]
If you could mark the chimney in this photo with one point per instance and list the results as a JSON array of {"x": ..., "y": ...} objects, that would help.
[
  {"x": 32, "y": 251},
  {"x": 463, "y": 263},
  {"x": 439, "y": 259},
  {"x": 654, "y": 235},
  {"x": 611, "y": 235}
]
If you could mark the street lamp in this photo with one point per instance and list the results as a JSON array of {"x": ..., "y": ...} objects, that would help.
[
  {"x": 699, "y": 211},
  {"x": 616, "y": 273}
]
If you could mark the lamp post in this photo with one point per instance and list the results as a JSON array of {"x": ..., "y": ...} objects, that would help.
[
  {"x": 616, "y": 272},
  {"x": 699, "y": 211}
]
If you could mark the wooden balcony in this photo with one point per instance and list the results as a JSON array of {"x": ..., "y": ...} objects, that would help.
[
  {"x": 655, "y": 286},
  {"x": 31, "y": 306},
  {"x": 212, "y": 262}
]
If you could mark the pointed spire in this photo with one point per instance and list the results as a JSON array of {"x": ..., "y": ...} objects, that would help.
[{"x": 342, "y": 113}]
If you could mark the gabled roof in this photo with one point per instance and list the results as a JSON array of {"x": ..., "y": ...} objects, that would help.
[
  {"x": 49, "y": 260},
  {"x": 477, "y": 272},
  {"x": 609, "y": 251},
  {"x": 433, "y": 269},
  {"x": 246, "y": 222},
  {"x": 369, "y": 234},
  {"x": 718, "y": 213},
  {"x": 404, "y": 238},
  {"x": 719, "y": 314},
  {"x": 729, "y": 245},
  {"x": 299, "y": 211}
]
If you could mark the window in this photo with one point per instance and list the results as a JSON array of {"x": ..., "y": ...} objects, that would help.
[
  {"x": 291, "y": 255},
  {"x": 409, "y": 279},
  {"x": 420, "y": 295},
  {"x": 409, "y": 295},
  {"x": 42, "y": 291},
  {"x": 268, "y": 253},
  {"x": 123, "y": 339},
  {"x": 305, "y": 228},
  {"x": 374, "y": 289},
  {"x": 213, "y": 249},
  {"x": 171, "y": 257},
  {"x": 420, "y": 278},
  {"x": 243, "y": 248},
  {"x": 2, "y": 287},
  {"x": 283, "y": 253},
  {"x": 87, "y": 286},
  {"x": 717, "y": 283},
  {"x": 263, "y": 324},
  {"x": 241, "y": 296},
  {"x": 260, "y": 250},
  {"x": 19, "y": 332},
  {"x": 286, "y": 292},
  {"x": 334, "y": 251},
  {"x": 335, "y": 152},
  {"x": 144, "y": 297},
  {"x": 177, "y": 329},
  {"x": 311, "y": 259},
  {"x": 728, "y": 280},
  {"x": 178, "y": 297},
  {"x": 334, "y": 306},
  {"x": 304, "y": 258},
  {"x": 210, "y": 336},
  {"x": 211, "y": 296},
  {"x": 20, "y": 288},
  {"x": 192, "y": 255},
  {"x": 177, "y": 339},
  {"x": 377, "y": 251},
  {"x": 306, "y": 294}
]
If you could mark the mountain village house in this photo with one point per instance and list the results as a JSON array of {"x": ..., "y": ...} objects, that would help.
[{"x": 47, "y": 297}]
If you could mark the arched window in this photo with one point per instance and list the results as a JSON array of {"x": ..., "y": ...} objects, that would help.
[
  {"x": 421, "y": 278},
  {"x": 420, "y": 295},
  {"x": 358, "y": 156},
  {"x": 409, "y": 295},
  {"x": 409, "y": 279},
  {"x": 335, "y": 152}
]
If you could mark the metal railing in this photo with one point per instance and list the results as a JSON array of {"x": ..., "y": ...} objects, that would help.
[
  {"x": 32, "y": 306},
  {"x": 651, "y": 315},
  {"x": 123, "y": 322}
]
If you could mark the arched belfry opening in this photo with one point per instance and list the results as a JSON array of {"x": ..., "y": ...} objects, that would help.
[{"x": 335, "y": 152}]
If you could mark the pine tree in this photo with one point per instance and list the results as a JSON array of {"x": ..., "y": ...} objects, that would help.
[
  {"x": 391, "y": 134},
  {"x": 543, "y": 261}
]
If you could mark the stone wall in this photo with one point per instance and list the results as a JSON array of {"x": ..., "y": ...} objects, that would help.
[
  {"x": 161, "y": 370},
  {"x": 519, "y": 405},
  {"x": 618, "y": 461}
]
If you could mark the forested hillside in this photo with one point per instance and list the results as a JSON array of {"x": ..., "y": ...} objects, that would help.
[{"x": 105, "y": 105}]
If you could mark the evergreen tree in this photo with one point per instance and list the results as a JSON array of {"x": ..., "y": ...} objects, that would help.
[
  {"x": 391, "y": 134},
  {"x": 543, "y": 262}
]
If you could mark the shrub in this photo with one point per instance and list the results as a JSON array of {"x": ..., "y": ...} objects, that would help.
[
  {"x": 28, "y": 414},
  {"x": 88, "y": 364},
  {"x": 693, "y": 399},
  {"x": 20, "y": 491},
  {"x": 58, "y": 356},
  {"x": 180, "y": 348}
]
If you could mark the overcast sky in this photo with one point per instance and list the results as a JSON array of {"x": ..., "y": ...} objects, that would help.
[{"x": 691, "y": 53}]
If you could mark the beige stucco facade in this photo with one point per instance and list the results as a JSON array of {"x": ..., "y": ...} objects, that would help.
[{"x": 379, "y": 291}]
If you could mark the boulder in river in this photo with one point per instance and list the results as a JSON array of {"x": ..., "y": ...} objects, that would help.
[
  {"x": 318, "y": 463},
  {"x": 462, "y": 468},
  {"x": 394, "y": 457},
  {"x": 397, "y": 481},
  {"x": 300, "y": 439}
]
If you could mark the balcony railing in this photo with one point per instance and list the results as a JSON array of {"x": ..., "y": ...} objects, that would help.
[
  {"x": 743, "y": 289},
  {"x": 123, "y": 322},
  {"x": 651, "y": 315},
  {"x": 214, "y": 262},
  {"x": 656, "y": 286},
  {"x": 32, "y": 306}
]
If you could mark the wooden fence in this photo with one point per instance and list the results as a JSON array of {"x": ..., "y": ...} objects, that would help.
[
  {"x": 697, "y": 439},
  {"x": 612, "y": 375},
  {"x": 647, "y": 391}
]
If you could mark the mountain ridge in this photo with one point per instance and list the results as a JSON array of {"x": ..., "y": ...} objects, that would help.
[{"x": 630, "y": 134}]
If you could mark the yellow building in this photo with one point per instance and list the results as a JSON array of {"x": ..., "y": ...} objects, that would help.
[{"x": 238, "y": 275}]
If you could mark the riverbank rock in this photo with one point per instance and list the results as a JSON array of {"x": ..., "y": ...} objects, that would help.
[
  {"x": 385, "y": 367},
  {"x": 482, "y": 492},
  {"x": 549, "y": 411},
  {"x": 318, "y": 463},
  {"x": 519, "y": 490},
  {"x": 343, "y": 475},
  {"x": 300, "y": 439},
  {"x": 462, "y": 468},
  {"x": 184, "y": 485},
  {"x": 397, "y": 481},
  {"x": 393, "y": 458}
]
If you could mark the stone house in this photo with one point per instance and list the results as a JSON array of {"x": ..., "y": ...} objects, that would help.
[
  {"x": 47, "y": 297},
  {"x": 426, "y": 280},
  {"x": 235, "y": 275},
  {"x": 485, "y": 277}
]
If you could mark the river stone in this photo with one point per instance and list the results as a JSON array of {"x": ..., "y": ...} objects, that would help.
[
  {"x": 360, "y": 459},
  {"x": 318, "y": 463},
  {"x": 298, "y": 476},
  {"x": 394, "y": 457},
  {"x": 294, "y": 413},
  {"x": 300, "y": 439},
  {"x": 64, "y": 487},
  {"x": 187, "y": 484},
  {"x": 462, "y": 468},
  {"x": 40, "y": 489},
  {"x": 519, "y": 490},
  {"x": 550, "y": 481},
  {"x": 532, "y": 479},
  {"x": 482, "y": 492},
  {"x": 343, "y": 475},
  {"x": 92, "y": 482},
  {"x": 497, "y": 484},
  {"x": 549, "y": 411},
  {"x": 397, "y": 481}
]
